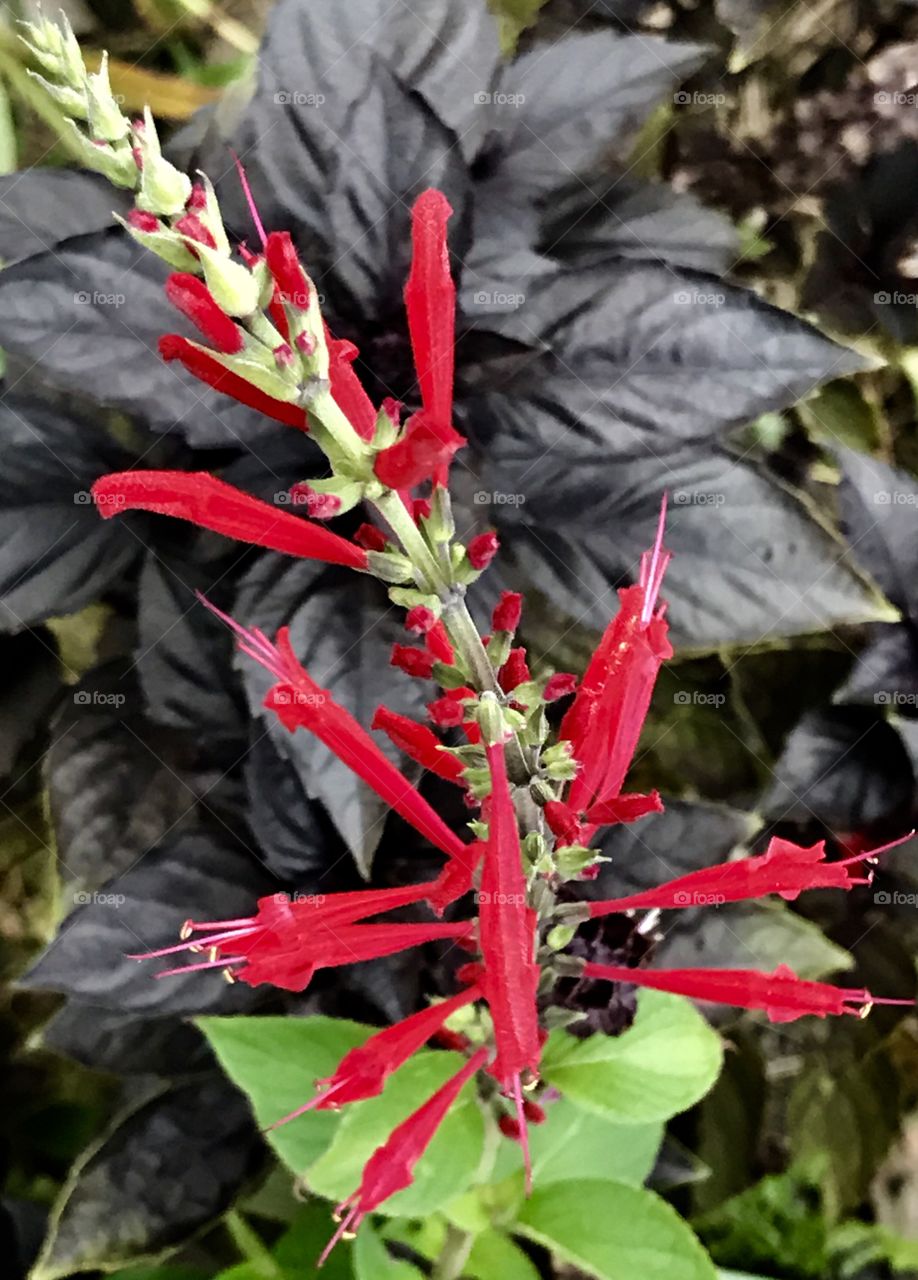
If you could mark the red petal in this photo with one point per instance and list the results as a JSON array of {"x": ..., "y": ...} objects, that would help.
[
  {"x": 347, "y": 389},
  {"x": 193, "y": 298},
  {"x": 211, "y": 503},
  {"x": 205, "y": 368},
  {"x": 420, "y": 743},
  {"x": 430, "y": 300},
  {"x": 423, "y": 451}
]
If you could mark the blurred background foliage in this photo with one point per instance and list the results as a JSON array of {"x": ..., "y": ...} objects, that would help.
[{"x": 803, "y": 1161}]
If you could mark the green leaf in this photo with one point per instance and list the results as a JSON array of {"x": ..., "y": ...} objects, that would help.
[
  {"x": 294, "y": 1255},
  {"x": 8, "y": 150},
  {"x": 614, "y": 1232},
  {"x": 495, "y": 1254},
  {"x": 373, "y": 1261},
  {"x": 572, "y": 1140},
  {"x": 275, "y": 1061},
  {"x": 662, "y": 1065},
  {"x": 448, "y": 1165},
  {"x": 513, "y": 18}
]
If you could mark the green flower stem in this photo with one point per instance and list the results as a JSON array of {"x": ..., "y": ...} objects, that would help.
[
  {"x": 430, "y": 576},
  {"x": 454, "y": 1254},
  {"x": 252, "y": 1247}
]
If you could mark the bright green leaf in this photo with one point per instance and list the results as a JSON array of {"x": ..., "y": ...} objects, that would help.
[
  {"x": 614, "y": 1232},
  {"x": 662, "y": 1065},
  {"x": 496, "y": 1255},
  {"x": 448, "y": 1165},
  {"x": 373, "y": 1261},
  {"x": 572, "y": 1140},
  {"x": 276, "y": 1061}
]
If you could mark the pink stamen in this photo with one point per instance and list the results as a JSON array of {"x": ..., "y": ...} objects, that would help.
[
  {"x": 250, "y": 199},
  {"x": 252, "y": 642},
  {"x": 322, "y": 1096},
  {"x": 353, "y": 1216},
  {"x": 524, "y": 1130},
  {"x": 205, "y": 964},
  {"x": 652, "y": 573},
  {"x": 215, "y": 940},
  {"x": 869, "y": 854}
]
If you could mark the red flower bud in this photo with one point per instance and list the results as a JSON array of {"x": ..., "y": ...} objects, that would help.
[
  {"x": 192, "y": 228},
  {"x": 438, "y": 644},
  {"x": 562, "y": 822},
  {"x": 421, "y": 509},
  {"x": 371, "y": 538},
  {"x": 448, "y": 712},
  {"x": 561, "y": 685},
  {"x": 507, "y": 614},
  {"x": 321, "y": 506},
  {"x": 192, "y": 297},
  {"x": 514, "y": 672},
  {"x": 198, "y": 198},
  {"x": 142, "y": 221},
  {"x": 414, "y": 662},
  {"x": 285, "y": 268},
  {"x": 482, "y": 550},
  {"x": 420, "y": 620}
]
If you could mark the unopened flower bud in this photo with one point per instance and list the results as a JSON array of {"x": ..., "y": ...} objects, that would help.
[
  {"x": 231, "y": 283},
  {"x": 491, "y": 720}
]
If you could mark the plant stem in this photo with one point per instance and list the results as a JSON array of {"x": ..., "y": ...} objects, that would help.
[
  {"x": 454, "y": 1254},
  {"x": 252, "y": 1247}
]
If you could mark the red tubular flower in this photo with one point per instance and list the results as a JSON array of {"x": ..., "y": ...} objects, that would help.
[
  {"x": 347, "y": 389},
  {"x": 414, "y": 662},
  {"x": 420, "y": 743},
  {"x": 482, "y": 549},
  {"x": 284, "y": 265},
  {"x": 210, "y": 503},
  {"x": 507, "y": 612},
  {"x": 456, "y": 878},
  {"x": 514, "y": 672},
  {"x": 391, "y": 1167},
  {"x": 201, "y": 364},
  {"x": 300, "y": 702},
  {"x": 430, "y": 301},
  {"x": 782, "y": 995},
  {"x": 507, "y": 932},
  {"x": 275, "y": 948},
  {"x": 425, "y": 449},
  {"x": 605, "y": 720},
  {"x": 193, "y": 298},
  {"x": 785, "y": 868},
  {"x": 624, "y": 808},
  {"x": 363, "y": 1071},
  {"x": 439, "y": 645}
]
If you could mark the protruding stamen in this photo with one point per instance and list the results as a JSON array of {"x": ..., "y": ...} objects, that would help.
[{"x": 250, "y": 199}]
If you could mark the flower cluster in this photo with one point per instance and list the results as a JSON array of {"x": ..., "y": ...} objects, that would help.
[{"x": 539, "y": 785}]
